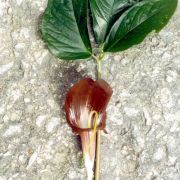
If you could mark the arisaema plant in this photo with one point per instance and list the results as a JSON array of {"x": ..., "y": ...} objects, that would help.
[{"x": 116, "y": 25}]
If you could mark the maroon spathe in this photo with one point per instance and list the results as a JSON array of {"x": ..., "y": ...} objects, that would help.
[{"x": 83, "y": 98}]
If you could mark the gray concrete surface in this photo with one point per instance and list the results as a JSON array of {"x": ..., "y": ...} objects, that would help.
[{"x": 143, "y": 117}]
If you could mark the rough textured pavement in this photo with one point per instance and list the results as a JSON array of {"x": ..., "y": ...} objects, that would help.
[{"x": 143, "y": 116}]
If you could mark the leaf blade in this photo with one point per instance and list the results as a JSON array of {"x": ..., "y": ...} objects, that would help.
[
  {"x": 137, "y": 22},
  {"x": 64, "y": 29},
  {"x": 104, "y": 14}
]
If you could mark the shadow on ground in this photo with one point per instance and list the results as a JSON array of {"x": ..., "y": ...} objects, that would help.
[{"x": 64, "y": 76}]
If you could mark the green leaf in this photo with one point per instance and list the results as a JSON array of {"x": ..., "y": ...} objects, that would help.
[
  {"x": 137, "y": 22},
  {"x": 64, "y": 29},
  {"x": 104, "y": 13}
]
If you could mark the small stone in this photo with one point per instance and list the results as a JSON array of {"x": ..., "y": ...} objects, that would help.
[
  {"x": 51, "y": 103},
  {"x": 19, "y": 46},
  {"x": 117, "y": 58},
  {"x": 52, "y": 124},
  {"x": 15, "y": 116},
  {"x": 27, "y": 100},
  {"x": 166, "y": 98},
  {"x": 46, "y": 174},
  {"x": 2, "y": 109},
  {"x": 171, "y": 76},
  {"x": 149, "y": 176},
  {"x": 5, "y": 118},
  {"x": 13, "y": 130},
  {"x": 5, "y": 68},
  {"x": 41, "y": 9},
  {"x": 147, "y": 117},
  {"x": 131, "y": 111},
  {"x": 175, "y": 126},
  {"x": 7, "y": 154},
  {"x": 117, "y": 178},
  {"x": 19, "y": 2},
  {"x": 60, "y": 158},
  {"x": 72, "y": 174},
  {"x": 160, "y": 154},
  {"x": 156, "y": 116},
  {"x": 32, "y": 159},
  {"x": 9, "y": 11},
  {"x": 40, "y": 56},
  {"x": 131, "y": 166},
  {"x": 22, "y": 159},
  {"x": 1, "y": 11},
  {"x": 24, "y": 32},
  {"x": 166, "y": 55},
  {"x": 172, "y": 160},
  {"x": 154, "y": 41},
  {"x": 16, "y": 94},
  {"x": 40, "y": 121},
  {"x": 124, "y": 152}
]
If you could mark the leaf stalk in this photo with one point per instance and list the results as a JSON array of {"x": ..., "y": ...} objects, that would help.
[{"x": 98, "y": 60}]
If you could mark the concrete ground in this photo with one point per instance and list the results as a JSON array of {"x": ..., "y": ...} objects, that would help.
[{"x": 143, "y": 116}]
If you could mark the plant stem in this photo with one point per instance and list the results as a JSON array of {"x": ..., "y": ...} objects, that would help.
[
  {"x": 99, "y": 62},
  {"x": 98, "y": 148},
  {"x": 98, "y": 134},
  {"x": 99, "y": 69}
]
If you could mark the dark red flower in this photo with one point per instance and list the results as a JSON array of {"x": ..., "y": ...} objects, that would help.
[
  {"x": 85, "y": 109},
  {"x": 83, "y": 98}
]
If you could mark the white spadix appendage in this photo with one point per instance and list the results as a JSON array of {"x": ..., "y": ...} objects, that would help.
[
  {"x": 88, "y": 140},
  {"x": 89, "y": 165}
]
